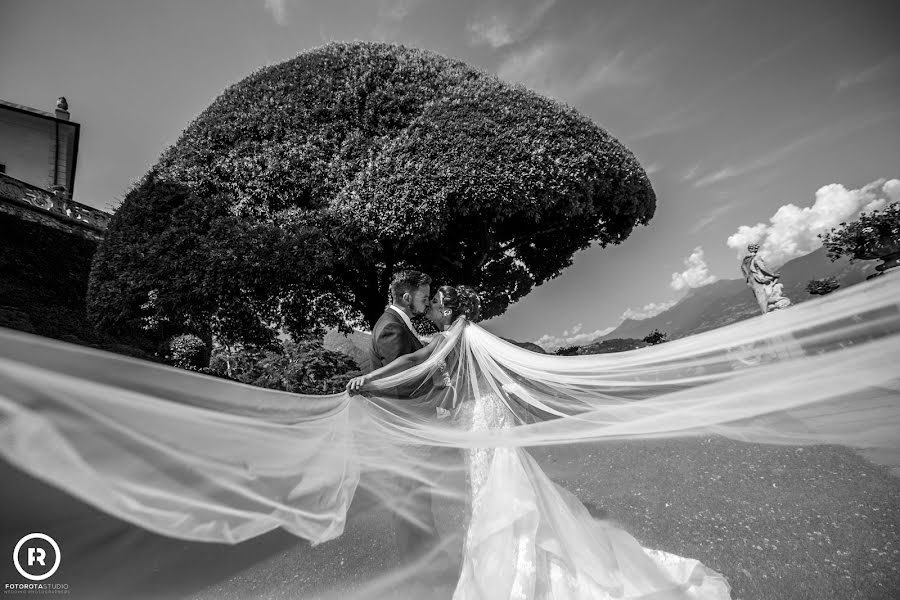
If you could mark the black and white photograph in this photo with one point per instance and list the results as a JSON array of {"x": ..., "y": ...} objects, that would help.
[{"x": 449, "y": 300}]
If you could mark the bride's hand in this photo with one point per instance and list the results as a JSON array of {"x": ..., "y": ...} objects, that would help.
[{"x": 357, "y": 383}]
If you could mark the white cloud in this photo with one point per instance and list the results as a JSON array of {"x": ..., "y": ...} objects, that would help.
[
  {"x": 575, "y": 337},
  {"x": 388, "y": 26},
  {"x": 491, "y": 30},
  {"x": 396, "y": 10},
  {"x": 769, "y": 158},
  {"x": 875, "y": 72},
  {"x": 892, "y": 189},
  {"x": 720, "y": 175},
  {"x": 566, "y": 70},
  {"x": 696, "y": 273},
  {"x": 695, "y": 111},
  {"x": 648, "y": 310},
  {"x": 497, "y": 25},
  {"x": 278, "y": 10},
  {"x": 652, "y": 168},
  {"x": 776, "y": 157},
  {"x": 571, "y": 337},
  {"x": 793, "y": 231},
  {"x": 710, "y": 216},
  {"x": 691, "y": 173},
  {"x": 605, "y": 72},
  {"x": 671, "y": 124},
  {"x": 529, "y": 65}
]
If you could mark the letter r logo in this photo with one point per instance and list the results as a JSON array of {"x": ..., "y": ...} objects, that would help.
[
  {"x": 41, "y": 555},
  {"x": 41, "y": 560}
]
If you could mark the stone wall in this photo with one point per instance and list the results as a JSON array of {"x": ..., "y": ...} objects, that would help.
[
  {"x": 33, "y": 204},
  {"x": 47, "y": 246}
]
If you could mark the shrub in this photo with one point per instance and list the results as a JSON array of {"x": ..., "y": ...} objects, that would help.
[
  {"x": 820, "y": 287},
  {"x": 567, "y": 351},
  {"x": 656, "y": 337},
  {"x": 188, "y": 352},
  {"x": 304, "y": 367},
  {"x": 867, "y": 238}
]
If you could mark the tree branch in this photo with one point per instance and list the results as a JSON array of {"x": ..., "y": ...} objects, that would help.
[{"x": 519, "y": 240}]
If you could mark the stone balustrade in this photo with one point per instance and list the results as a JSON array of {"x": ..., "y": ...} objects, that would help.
[{"x": 32, "y": 203}]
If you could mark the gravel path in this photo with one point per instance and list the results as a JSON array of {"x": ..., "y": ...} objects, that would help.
[{"x": 816, "y": 523}]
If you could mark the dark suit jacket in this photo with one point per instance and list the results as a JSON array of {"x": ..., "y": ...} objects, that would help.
[{"x": 392, "y": 338}]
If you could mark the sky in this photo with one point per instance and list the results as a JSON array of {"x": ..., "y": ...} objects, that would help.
[{"x": 757, "y": 120}]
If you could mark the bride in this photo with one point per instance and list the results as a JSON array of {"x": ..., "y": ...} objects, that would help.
[
  {"x": 528, "y": 538},
  {"x": 199, "y": 458}
]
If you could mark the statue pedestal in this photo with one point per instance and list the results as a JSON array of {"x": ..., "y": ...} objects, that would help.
[
  {"x": 889, "y": 262},
  {"x": 889, "y": 257}
]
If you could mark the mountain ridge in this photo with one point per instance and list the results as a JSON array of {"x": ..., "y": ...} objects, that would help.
[{"x": 728, "y": 301}]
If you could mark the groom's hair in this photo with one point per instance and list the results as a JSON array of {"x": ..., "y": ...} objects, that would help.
[{"x": 407, "y": 281}]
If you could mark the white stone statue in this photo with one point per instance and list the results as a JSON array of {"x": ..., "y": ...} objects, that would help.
[{"x": 764, "y": 282}]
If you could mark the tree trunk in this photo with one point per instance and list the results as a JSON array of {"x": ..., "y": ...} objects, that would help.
[{"x": 375, "y": 292}]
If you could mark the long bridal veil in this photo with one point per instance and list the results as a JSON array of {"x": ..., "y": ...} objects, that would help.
[{"x": 200, "y": 458}]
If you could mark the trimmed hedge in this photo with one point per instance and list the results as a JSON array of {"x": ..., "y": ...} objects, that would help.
[{"x": 347, "y": 163}]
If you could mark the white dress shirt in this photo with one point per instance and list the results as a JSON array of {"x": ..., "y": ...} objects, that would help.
[{"x": 405, "y": 318}]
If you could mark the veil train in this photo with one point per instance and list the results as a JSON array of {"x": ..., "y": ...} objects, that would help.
[{"x": 199, "y": 458}]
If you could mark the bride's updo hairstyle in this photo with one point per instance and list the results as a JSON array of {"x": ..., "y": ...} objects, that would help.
[{"x": 461, "y": 300}]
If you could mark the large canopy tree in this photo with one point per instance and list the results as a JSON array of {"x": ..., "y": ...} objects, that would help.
[{"x": 302, "y": 188}]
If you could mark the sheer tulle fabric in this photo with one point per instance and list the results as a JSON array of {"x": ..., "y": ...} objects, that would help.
[
  {"x": 200, "y": 458},
  {"x": 528, "y": 538}
]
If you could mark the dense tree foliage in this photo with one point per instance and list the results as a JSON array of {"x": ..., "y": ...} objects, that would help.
[
  {"x": 820, "y": 287},
  {"x": 174, "y": 263},
  {"x": 870, "y": 237},
  {"x": 567, "y": 350},
  {"x": 188, "y": 352},
  {"x": 604, "y": 347},
  {"x": 613, "y": 345},
  {"x": 291, "y": 200},
  {"x": 656, "y": 337}
]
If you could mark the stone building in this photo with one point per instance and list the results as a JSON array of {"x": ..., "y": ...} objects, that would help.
[
  {"x": 38, "y": 160},
  {"x": 37, "y": 147}
]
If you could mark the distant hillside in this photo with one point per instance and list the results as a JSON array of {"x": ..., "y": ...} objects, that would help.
[
  {"x": 356, "y": 346},
  {"x": 730, "y": 300},
  {"x": 612, "y": 345},
  {"x": 527, "y": 345}
]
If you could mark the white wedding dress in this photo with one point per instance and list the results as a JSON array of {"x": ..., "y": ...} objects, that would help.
[
  {"x": 199, "y": 458},
  {"x": 529, "y": 539}
]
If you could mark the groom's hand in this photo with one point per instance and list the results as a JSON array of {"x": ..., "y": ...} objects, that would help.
[{"x": 357, "y": 383}]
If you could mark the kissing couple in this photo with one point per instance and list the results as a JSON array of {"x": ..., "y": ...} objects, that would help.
[{"x": 525, "y": 536}]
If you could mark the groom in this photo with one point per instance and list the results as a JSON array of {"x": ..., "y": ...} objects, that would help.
[{"x": 393, "y": 336}]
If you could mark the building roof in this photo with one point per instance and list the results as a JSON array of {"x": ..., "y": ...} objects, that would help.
[
  {"x": 33, "y": 111},
  {"x": 5, "y": 104}
]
